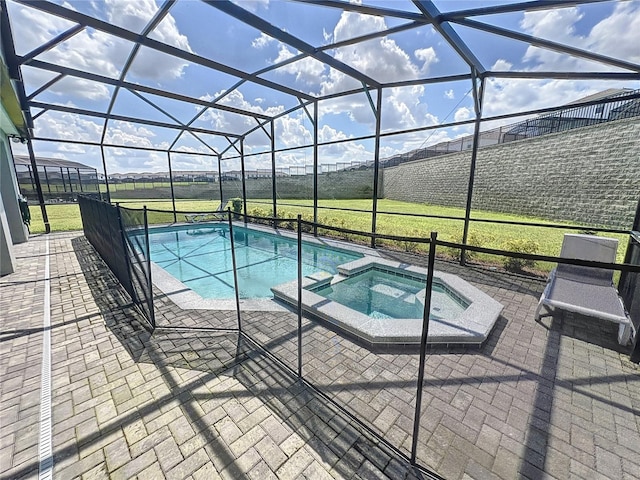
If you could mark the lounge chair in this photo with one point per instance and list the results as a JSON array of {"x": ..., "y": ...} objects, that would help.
[
  {"x": 218, "y": 214},
  {"x": 586, "y": 290}
]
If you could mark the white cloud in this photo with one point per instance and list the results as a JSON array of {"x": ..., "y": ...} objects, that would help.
[
  {"x": 236, "y": 99},
  {"x": 307, "y": 70},
  {"x": 133, "y": 16},
  {"x": 340, "y": 152},
  {"x": 127, "y": 133},
  {"x": 193, "y": 162},
  {"x": 42, "y": 27},
  {"x": 98, "y": 52},
  {"x": 617, "y": 36},
  {"x": 252, "y": 5},
  {"x": 329, "y": 134},
  {"x": 383, "y": 60},
  {"x": 513, "y": 95},
  {"x": 291, "y": 132},
  {"x": 502, "y": 65},
  {"x": 557, "y": 24},
  {"x": 124, "y": 160},
  {"x": 428, "y": 57},
  {"x": 403, "y": 109},
  {"x": 92, "y": 51},
  {"x": 149, "y": 63},
  {"x": 67, "y": 126},
  {"x": 462, "y": 114},
  {"x": 284, "y": 54},
  {"x": 262, "y": 41},
  {"x": 450, "y": 94},
  {"x": 72, "y": 148},
  {"x": 226, "y": 121}
]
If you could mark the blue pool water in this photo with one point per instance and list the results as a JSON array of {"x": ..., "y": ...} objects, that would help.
[
  {"x": 381, "y": 294},
  {"x": 200, "y": 257}
]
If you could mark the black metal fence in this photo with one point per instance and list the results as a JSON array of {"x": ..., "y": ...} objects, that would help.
[
  {"x": 135, "y": 237},
  {"x": 120, "y": 237},
  {"x": 58, "y": 184},
  {"x": 615, "y": 107}
]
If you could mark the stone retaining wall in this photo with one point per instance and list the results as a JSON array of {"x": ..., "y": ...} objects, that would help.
[{"x": 589, "y": 175}]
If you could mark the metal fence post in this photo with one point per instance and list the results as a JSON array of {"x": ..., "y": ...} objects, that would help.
[
  {"x": 152, "y": 313},
  {"x": 299, "y": 296},
  {"x": 235, "y": 269},
  {"x": 423, "y": 345}
]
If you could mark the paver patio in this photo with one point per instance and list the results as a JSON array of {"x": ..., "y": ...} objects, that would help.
[{"x": 553, "y": 400}]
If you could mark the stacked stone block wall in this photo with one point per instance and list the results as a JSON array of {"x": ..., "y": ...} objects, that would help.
[{"x": 589, "y": 175}]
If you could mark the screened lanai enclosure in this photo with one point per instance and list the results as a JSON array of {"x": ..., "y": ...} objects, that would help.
[
  {"x": 421, "y": 140},
  {"x": 321, "y": 100},
  {"x": 60, "y": 180}
]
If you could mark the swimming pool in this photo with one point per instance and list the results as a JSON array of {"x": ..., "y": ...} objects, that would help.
[{"x": 200, "y": 258}]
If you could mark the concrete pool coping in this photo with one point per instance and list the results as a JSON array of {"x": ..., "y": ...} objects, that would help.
[
  {"x": 472, "y": 326},
  {"x": 186, "y": 299}
]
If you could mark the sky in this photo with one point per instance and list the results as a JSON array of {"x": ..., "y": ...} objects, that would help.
[{"x": 607, "y": 28}]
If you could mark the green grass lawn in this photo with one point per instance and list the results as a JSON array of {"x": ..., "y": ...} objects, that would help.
[{"x": 549, "y": 240}]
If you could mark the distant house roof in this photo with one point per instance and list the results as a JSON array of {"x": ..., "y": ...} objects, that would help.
[
  {"x": 609, "y": 92},
  {"x": 50, "y": 162}
]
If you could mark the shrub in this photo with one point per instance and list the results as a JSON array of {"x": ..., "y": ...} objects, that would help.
[
  {"x": 307, "y": 217},
  {"x": 236, "y": 205},
  {"x": 409, "y": 246},
  {"x": 289, "y": 224},
  {"x": 474, "y": 239},
  {"x": 260, "y": 212},
  {"x": 329, "y": 221},
  {"x": 512, "y": 264}
]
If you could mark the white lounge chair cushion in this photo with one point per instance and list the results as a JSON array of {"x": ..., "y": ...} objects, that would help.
[{"x": 587, "y": 290}]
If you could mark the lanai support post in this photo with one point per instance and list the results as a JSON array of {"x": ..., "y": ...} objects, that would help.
[
  {"x": 314, "y": 121},
  {"x": 220, "y": 177},
  {"x": 106, "y": 177},
  {"x": 315, "y": 168},
  {"x": 244, "y": 180},
  {"x": 273, "y": 168},
  {"x": 33, "y": 185},
  {"x": 79, "y": 179},
  {"x": 64, "y": 184},
  {"x": 46, "y": 177},
  {"x": 478, "y": 95},
  {"x": 173, "y": 196},
  {"x": 70, "y": 182},
  {"x": 376, "y": 164},
  {"x": 36, "y": 176}
]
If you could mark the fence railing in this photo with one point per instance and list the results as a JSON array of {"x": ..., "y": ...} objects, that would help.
[
  {"x": 610, "y": 109},
  {"x": 121, "y": 237}
]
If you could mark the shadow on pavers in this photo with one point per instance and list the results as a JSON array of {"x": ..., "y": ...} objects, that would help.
[{"x": 323, "y": 428}]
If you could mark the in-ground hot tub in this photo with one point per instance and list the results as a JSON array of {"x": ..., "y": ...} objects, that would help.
[{"x": 381, "y": 302}]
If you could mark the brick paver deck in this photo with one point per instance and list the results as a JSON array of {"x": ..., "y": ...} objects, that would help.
[{"x": 553, "y": 400}]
